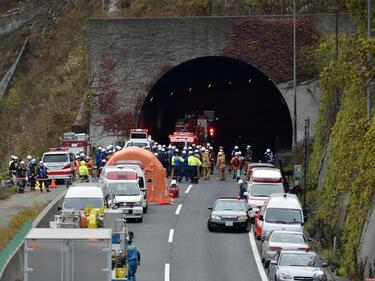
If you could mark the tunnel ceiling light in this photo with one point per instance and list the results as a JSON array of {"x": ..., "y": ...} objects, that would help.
[
  {"x": 151, "y": 99},
  {"x": 250, "y": 80},
  {"x": 190, "y": 89},
  {"x": 209, "y": 85},
  {"x": 171, "y": 94},
  {"x": 230, "y": 83}
]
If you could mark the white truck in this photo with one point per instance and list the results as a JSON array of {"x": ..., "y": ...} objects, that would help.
[{"x": 139, "y": 137}]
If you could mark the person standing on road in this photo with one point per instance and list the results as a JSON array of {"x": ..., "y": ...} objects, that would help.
[
  {"x": 206, "y": 164},
  {"x": 13, "y": 164},
  {"x": 194, "y": 164},
  {"x": 21, "y": 176},
  {"x": 243, "y": 189},
  {"x": 42, "y": 176},
  {"x": 31, "y": 173},
  {"x": 236, "y": 166},
  {"x": 212, "y": 155},
  {"x": 177, "y": 162},
  {"x": 185, "y": 165},
  {"x": 134, "y": 260},
  {"x": 220, "y": 164},
  {"x": 269, "y": 156},
  {"x": 248, "y": 158},
  {"x": 83, "y": 172}
]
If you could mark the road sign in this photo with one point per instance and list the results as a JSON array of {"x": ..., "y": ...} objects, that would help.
[{"x": 297, "y": 174}]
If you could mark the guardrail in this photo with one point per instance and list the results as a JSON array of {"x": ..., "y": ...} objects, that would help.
[{"x": 15, "y": 243}]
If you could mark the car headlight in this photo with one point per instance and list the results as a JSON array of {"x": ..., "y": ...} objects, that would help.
[
  {"x": 285, "y": 276},
  {"x": 242, "y": 218},
  {"x": 215, "y": 217},
  {"x": 137, "y": 204},
  {"x": 322, "y": 277}
]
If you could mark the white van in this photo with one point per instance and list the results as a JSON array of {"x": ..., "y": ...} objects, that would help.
[
  {"x": 139, "y": 169},
  {"x": 83, "y": 195},
  {"x": 282, "y": 212},
  {"x": 124, "y": 185}
]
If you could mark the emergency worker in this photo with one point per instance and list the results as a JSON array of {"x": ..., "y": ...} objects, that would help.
[
  {"x": 220, "y": 164},
  {"x": 83, "y": 171},
  {"x": 248, "y": 158},
  {"x": 13, "y": 164},
  {"x": 21, "y": 176},
  {"x": 236, "y": 166},
  {"x": 177, "y": 162},
  {"x": 98, "y": 157},
  {"x": 89, "y": 167},
  {"x": 31, "y": 174},
  {"x": 269, "y": 156},
  {"x": 206, "y": 164},
  {"x": 243, "y": 189},
  {"x": 42, "y": 176},
  {"x": 133, "y": 259},
  {"x": 194, "y": 164},
  {"x": 101, "y": 167}
]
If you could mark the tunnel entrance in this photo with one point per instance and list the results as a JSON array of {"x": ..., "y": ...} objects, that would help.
[{"x": 248, "y": 107}]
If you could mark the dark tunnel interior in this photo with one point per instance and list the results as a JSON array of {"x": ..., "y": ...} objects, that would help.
[{"x": 249, "y": 109}]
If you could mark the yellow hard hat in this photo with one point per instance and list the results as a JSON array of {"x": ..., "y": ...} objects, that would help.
[{"x": 83, "y": 163}]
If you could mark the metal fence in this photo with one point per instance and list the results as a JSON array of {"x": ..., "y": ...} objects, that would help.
[
  {"x": 157, "y": 8},
  {"x": 13, "y": 245}
]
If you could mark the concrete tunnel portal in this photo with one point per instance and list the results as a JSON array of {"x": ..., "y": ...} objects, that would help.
[{"x": 248, "y": 107}]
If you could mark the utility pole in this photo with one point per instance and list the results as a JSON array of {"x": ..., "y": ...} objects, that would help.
[
  {"x": 306, "y": 164},
  {"x": 369, "y": 59},
  {"x": 294, "y": 74}
]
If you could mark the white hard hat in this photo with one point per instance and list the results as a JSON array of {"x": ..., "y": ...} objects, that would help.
[
  {"x": 22, "y": 162},
  {"x": 184, "y": 152},
  {"x": 239, "y": 152},
  {"x": 248, "y": 146},
  {"x": 29, "y": 157},
  {"x": 236, "y": 147},
  {"x": 173, "y": 147},
  {"x": 236, "y": 154},
  {"x": 103, "y": 149},
  {"x": 118, "y": 147},
  {"x": 240, "y": 181},
  {"x": 176, "y": 150},
  {"x": 159, "y": 146},
  {"x": 15, "y": 157},
  {"x": 41, "y": 163},
  {"x": 103, "y": 161},
  {"x": 203, "y": 149},
  {"x": 190, "y": 148},
  {"x": 155, "y": 143},
  {"x": 82, "y": 155},
  {"x": 173, "y": 182},
  {"x": 268, "y": 150},
  {"x": 196, "y": 151},
  {"x": 210, "y": 148},
  {"x": 208, "y": 144},
  {"x": 99, "y": 148},
  {"x": 219, "y": 153}
]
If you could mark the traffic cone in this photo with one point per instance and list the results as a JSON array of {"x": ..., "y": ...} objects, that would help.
[{"x": 53, "y": 184}]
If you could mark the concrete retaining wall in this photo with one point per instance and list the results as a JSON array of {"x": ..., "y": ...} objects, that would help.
[{"x": 13, "y": 271}]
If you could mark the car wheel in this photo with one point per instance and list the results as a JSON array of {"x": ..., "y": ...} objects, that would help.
[
  {"x": 139, "y": 220},
  {"x": 247, "y": 227},
  {"x": 210, "y": 227}
]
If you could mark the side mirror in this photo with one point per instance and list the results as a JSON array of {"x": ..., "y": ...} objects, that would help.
[
  {"x": 324, "y": 264},
  {"x": 59, "y": 209},
  {"x": 210, "y": 208},
  {"x": 273, "y": 262}
]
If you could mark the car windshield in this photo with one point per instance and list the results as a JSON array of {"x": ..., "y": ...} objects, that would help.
[
  {"x": 124, "y": 188},
  {"x": 281, "y": 215},
  {"x": 300, "y": 259},
  {"x": 288, "y": 237},
  {"x": 230, "y": 205},
  {"x": 265, "y": 190},
  {"x": 139, "y": 144},
  {"x": 82, "y": 203},
  {"x": 54, "y": 158}
]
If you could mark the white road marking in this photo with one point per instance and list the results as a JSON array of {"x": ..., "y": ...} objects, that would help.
[
  {"x": 167, "y": 270},
  {"x": 188, "y": 189},
  {"x": 258, "y": 261},
  {"x": 171, "y": 233},
  {"x": 178, "y": 209}
]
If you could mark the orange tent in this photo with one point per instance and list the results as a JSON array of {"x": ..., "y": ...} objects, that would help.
[{"x": 157, "y": 190}]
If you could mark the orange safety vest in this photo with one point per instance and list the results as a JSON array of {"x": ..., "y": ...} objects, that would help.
[{"x": 89, "y": 166}]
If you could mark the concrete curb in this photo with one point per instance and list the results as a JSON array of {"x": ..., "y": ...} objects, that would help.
[{"x": 13, "y": 270}]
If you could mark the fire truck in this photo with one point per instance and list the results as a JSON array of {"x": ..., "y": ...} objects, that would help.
[{"x": 73, "y": 142}]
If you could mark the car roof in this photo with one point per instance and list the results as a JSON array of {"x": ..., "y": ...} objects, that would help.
[
  {"x": 287, "y": 232},
  {"x": 229, "y": 199},
  {"x": 264, "y": 172},
  {"x": 284, "y": 200},
  {"x": 56, "y": 152},
  {"x": 257, "y": 164},
  {"x": 116, "y": 168},
  {"x": 298, "y": 252},
  {"x": 84, "y": 192}
]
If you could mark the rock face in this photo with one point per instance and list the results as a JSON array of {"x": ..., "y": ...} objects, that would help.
[{"x": 140, "y": 47}]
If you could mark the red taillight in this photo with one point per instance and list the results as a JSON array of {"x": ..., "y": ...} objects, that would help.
[
  {"x": 275, "y": 248},
  {"x": 67, "y": 166},
  {"x": 304, "y": 249}
]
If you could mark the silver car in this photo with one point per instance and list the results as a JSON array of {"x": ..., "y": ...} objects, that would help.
[
  {"x": 296, "y": 265},
  {"x": 282, "y": 240}
]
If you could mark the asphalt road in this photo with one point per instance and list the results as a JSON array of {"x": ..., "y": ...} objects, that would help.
[{"x": 192, "y": 252}]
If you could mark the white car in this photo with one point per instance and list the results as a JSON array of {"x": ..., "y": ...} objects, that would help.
[
  {"x": 60, "y": 164},
  {"x": 282, "y": 240}
]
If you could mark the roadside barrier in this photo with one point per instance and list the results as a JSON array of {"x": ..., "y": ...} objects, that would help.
[{"x": 9, "y": 249}]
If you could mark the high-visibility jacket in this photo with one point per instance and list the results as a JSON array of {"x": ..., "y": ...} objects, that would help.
[
  {"x": 194, "y": 161},
  {"x": 220, "y": 163},
  {"x": 89, "y": 166},
  {"x": 83, "y": 170},
  {"x": 177, "y": 161}
]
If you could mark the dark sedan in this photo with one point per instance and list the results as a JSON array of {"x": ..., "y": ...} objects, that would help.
[{"x": 229, "y": 213}]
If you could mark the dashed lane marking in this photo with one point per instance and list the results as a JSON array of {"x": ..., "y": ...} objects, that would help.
[
  {"x": 188, "y": 189},
  {"x": 178, "y": 209},
  {"x": 258, "y": 261},
  {"x": 171, "y": 233},
  {"x": 167, "y": 272}
]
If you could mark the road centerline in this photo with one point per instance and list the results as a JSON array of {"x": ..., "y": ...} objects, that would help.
[
  {"x": 171, "y": 234},
  {"x": 167, "y": 270},
  {"x": 178, "y": 210}
]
